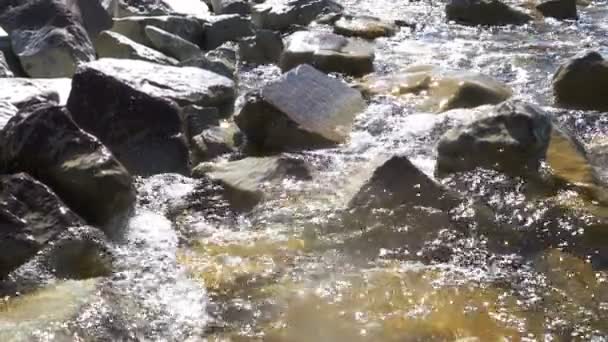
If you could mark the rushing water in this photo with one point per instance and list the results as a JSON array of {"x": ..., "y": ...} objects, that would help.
[{"x": 288, "y": 272}]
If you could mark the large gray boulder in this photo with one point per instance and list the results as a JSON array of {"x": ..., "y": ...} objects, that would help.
[
  {"x": 22, "y": 92},
  {"x": 5, "y": 70},
  {"x": 304, "y": 109},
  {"x": 47, "y": 37},
  {"x": 513, "y": 138},
  {"x": 484, "y": 12},
  {"x": 45, "y": 142},
  {"x": 31, "y": 215},
  {"x": 114, "y": 45},
  {"x": 171, "y": 44},
  {"x": 241, "y": 7},
  {"x": 192, "y": 8},
  {"x": 245, "y": 181},
  {"x": 134, "y": 28},
  {"x": 328, "y": 52},
  {"x": 264, "y": 47},
  {"x": 96, "y": 15},
  {"x": 582, "y": 82},
  {"x": 559, "y": 9},
  {"x": 224, "y": 28},
  {"x": 280, "y": 15}
]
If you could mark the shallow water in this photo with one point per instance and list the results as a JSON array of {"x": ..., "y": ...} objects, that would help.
[{"x": 289, "y": 272}]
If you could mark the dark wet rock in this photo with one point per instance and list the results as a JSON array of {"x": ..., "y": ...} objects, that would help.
[
  {"x": 397, "y": 185},
  {"x": 264, "y": 47},
  {"x": 304, "y": 109},
  {"x": 364, "y": 26},
  {"x": 440, "y": 89},
  {"x": 5, "y": 70},
  {"x": 47, "y": 36},
  {"x": 559, "y": 9},
  {"x": 328, "y": 52},
  {"x": 31, "y": 215},
  {"x": 80, "y": 252},
  {"x": 171, "y": 44},
  {"x": 114, "y": 45},
  {"x": 280, "y": 15},
  {"x": 224, "y": 28},
  {"x": 7, "y": 111},
  {"x": 47, "y": 144},
  {"x": 12, "y": 61},
  {"x": 244, "y": 180},
  {"x": 96, "y": 15},
  {"x": 513, "y": 138},
  {"x": 214, "y": 142},
  {"x": 128, "y": 107},
  {"x": 582, "y": 82},
  {"x": 22, "y": 92},
  {"x": 241, "y": 7},
  {"x": 134, "y": 28},
  {"x": 484, "y": 12}
]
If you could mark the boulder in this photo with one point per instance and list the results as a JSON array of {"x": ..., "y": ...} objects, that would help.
[
  {"x": 96, "y": 15},
  {"x": 559, "y": 9},
  {"x": 394, "y": 189},
  {"x": 31, "y": 215},
  {"x": 171, "y": 44},
  {"x": 582, "y": 82},
  {"x": 193, "y": 8},
  {"x": 513, "y": 138},
  {"x": 134, "y": 28},
  {"x": 7, "y": 111},
  {"x": 364, "y": 26},
  {"x": 224, "y": 28},
  {"x": 484, "y": 12},
  {"x": 280, "y": 15},
  {"x": 222, "y": 60},
  {"x": 439, "y": 89},
  {"x": 22, "y": 92},
  {"x": 265, "y": 47},
  {"x": 128, "y": 8},
  {"x": 5, "y": 70},
  {"x": 47, "y": 37},
  {"x": 303, "y": 109},
  {"x": 241, "y": 7},
  {"x": 113, "y": 45},
  {"x": 328, "y": 52},
  {"x": 197, "y": 119},
  {"x": 244, "y": 180},
  {"x": 213, "y": 142},
  {"x": 128, "y": 105},
  {"x": 47, "y": 144}
]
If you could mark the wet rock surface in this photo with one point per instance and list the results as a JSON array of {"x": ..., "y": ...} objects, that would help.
[
  {"x": 484, "y": 12},
  {"x": 580, "y": 82},
  {"x": 281, "y": 14}
]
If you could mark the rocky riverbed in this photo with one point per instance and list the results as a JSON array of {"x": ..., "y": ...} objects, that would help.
[{"x": 303, "y": 170}]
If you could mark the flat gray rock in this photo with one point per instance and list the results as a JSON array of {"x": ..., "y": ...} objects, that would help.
[
  {"x": 171, "y": 44},
  {"x": 185, "y": 85},
  {"x": 134, "y": 27},
  {"x": 328, "y": 52},
  {"x": 231, "y": 7},
  {"x": 281, "y": 14},
  {"x": 114, "y": 45},
  {"x": 303, "y": 109},
  {"x": 22, "y": 91},
  {"x": 225, "y": 28}
]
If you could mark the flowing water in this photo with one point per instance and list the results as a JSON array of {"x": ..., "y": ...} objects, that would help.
[{"x": 289, "y": 271}]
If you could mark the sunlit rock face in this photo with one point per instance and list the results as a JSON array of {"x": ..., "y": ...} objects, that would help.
[
  {"x": 134, "y": 27},
  {"x": 171, "y": 44},
  {"x": 364, "y": 26},
  {"x": 581, "y": 82},
  {"x": 47, "y": 37},
  {"x": 438, "y": 89},
  {"x": 304, "y": 109},
  {"x": 328, "y": 52},
  {"x": 281, "y": 14},
  {"x": 513, "y": 138}
]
